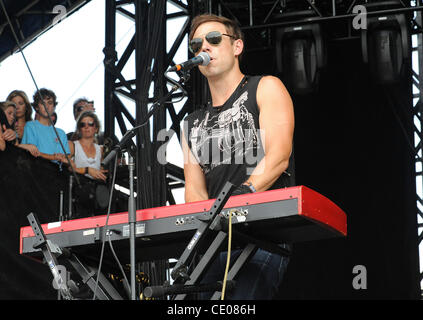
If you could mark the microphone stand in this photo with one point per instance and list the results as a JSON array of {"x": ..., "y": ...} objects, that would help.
[
  {"x": 131, "y": 154},
  {"x": 132, "y": 221}
]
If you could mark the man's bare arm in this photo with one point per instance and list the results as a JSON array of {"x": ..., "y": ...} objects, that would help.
[
  {"x": 195, "y": 181},
  {"x": 277, "y": 129}
]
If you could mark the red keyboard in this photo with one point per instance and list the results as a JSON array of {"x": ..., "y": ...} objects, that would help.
[{"x": 290, "y": 215}]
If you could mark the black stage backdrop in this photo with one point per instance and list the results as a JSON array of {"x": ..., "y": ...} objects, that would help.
[{"x": 352, "y": 144}]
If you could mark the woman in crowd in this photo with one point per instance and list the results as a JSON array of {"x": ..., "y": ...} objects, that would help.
[
  {"x": 23, "y": 110},
  {"x": 7, "y": 123},
  {"x": 85, "y": 151}
]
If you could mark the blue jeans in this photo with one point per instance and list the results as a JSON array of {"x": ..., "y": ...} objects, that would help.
[{"x": 259, "y": 279}]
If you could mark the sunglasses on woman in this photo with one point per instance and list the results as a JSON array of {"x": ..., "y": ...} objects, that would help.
[
  {"x": 213, "y": 37},
  {"x": 86, "y": 124}
]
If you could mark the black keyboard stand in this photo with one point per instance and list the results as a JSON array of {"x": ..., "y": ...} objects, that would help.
[
  {"x": 50, "y": 250},
  {"x": 185, "y": 283},
  {"x": 66, "y": 287},
  {"x": 209, "y": 222},
  {"x": 103, "y": 290},
  {"x": 250, "y": 248}
]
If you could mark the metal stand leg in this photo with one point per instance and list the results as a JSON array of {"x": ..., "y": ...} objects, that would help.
[
  {"x": 62, "y": 283},
  {"x": 245, "y": 256},
  {"x": 104, "y": 291},
  {"x": 205, "y": 261},
  {"x": 61, "y": 217},
  {"x": 49, "y": 250},
  {"x": 70, "y": 197}
]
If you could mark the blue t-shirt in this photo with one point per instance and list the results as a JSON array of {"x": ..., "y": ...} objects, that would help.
[{"x": 44, "y": 138}]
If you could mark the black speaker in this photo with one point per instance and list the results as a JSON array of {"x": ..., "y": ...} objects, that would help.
[
  {"x": 300, "y": 56},
  {"x": 386, "y": 47}
]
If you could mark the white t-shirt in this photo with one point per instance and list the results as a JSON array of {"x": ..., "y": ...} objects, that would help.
[{"x": 81, "y": 160}]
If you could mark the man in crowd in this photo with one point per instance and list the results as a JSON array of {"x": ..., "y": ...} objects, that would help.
[{"x": 51, "y": 142}]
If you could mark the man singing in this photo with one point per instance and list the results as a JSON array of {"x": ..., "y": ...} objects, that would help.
[{"x": 244, "y": 135}]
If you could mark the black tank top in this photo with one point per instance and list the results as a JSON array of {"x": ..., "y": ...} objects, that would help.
[{"x": 226, "y": 140}]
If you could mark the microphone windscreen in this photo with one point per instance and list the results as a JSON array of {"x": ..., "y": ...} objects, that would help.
[{"x": 206, "y": 58}]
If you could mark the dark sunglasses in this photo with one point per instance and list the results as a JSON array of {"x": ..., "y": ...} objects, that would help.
[
  {"x": 86, "y": 124},
  {"x": 213, "y": 37}
]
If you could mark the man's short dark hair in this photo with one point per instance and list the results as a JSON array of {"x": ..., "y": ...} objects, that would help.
[
  {"x": 43, "y": 93},
  {"x": 232, "y": 26},
  {"x": 76, "y": 102}
]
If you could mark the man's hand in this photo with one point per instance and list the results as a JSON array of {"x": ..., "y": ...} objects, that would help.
[
  {"x": 31, "y": 148},
  {"x": 242, "y": 189},
  {"x": 60, "y": 157}
]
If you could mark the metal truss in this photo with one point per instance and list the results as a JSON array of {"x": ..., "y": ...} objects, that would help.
[
  {"x": 154, "y": 181},
  {"x": 418, "y": 121}
]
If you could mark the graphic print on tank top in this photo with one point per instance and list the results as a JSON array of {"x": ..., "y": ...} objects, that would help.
[{"x": 226, "y": 137}]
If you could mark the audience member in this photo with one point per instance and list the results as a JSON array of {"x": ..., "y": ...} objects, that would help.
[
  {"x": 84, "y": 104},
  {"x": 8, "y": 121},
  {"x": 41, "y": 133},
  {"x": 5, "y": 128},
  {"x": 85, "y": 151},
  {"x": 9, "y": 109},
  {"x": 80, "y": 105},
  {"x": 93, "y": 194},
  {"x": 23, "y": 110}
]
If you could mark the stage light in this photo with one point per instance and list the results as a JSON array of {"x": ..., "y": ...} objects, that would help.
[
  {"x": 385, "y": 47},
  {"x": 300, "y": 55}
]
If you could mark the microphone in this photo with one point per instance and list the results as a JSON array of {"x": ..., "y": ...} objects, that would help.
[{"x": 203, "y": 58}]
